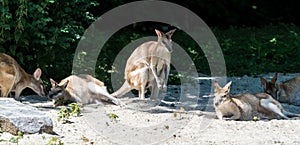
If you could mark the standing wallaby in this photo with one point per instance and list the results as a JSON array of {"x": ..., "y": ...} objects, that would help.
[
  {"x": 285, "y": 92},
  {"x": 81, "y": 88},
  {"x": 150, "y": 64},
  {"x": 14, "y": 79},
  {"x": 247, "y": 106}
]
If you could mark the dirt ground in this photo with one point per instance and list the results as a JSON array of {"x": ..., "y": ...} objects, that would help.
[{"x": 168, "y": 122}]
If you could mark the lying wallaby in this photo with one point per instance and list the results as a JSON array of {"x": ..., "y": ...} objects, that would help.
[
  {"x": 285, "y": 92},
  {"x": 247, "y": 106},
  {"x": 81, "y": 88},
  {"x": 156, "y": 54},
  {"x": 14, "y": 79}
]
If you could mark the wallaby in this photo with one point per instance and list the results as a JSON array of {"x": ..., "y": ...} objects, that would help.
[
  {"x": 14, "y": 79},
  {"x": 285, "y": 92},
  {"x": 139, "y": 77},
  {"x": 81, "y": 88},
  {"x": 154, "y": 55},
  {"x": 247, "y": 106}
]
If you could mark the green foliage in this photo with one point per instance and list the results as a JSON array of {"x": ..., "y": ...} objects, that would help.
[
  {"x": 55, "y": 141},
  {"x": 63, "y": 114},
  {"x": 75, "y": 107},
  {"x": 253, "y": 51},
  {"x": 113, "y": 116},
  {"x": 17, "y": 138},
  {"x": 167, "y": 126},
  {"x": 14, "y": 139},
  {"x": 44, "y": 33}
]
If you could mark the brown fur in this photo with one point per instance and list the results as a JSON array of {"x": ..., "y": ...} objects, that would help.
[
  {"x": 285, "y": 92},
  {"x": 81, "y": 88},
  {"x": 246, "y": 106},
  {"x": 139, "y": 75},
  {"x": 156, "y": 54},
  {"x": 14, "y": 78}
]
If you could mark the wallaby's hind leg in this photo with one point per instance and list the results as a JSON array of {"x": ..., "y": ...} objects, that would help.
[
  {"x": 289, "y": 114},
  {"x": 98, "y": 90},
  {"x": 157, "y": 80},
  {"x": 271, "y": 106},
  {"x": 166, "y": 75},
  {"x": 154, "y": 90},
  {"x": 142, "y": 92},
  {"x": 155, "y": 73}
]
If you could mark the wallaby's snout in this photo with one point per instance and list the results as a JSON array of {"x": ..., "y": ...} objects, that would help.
[{"x": 55, "y": 93}]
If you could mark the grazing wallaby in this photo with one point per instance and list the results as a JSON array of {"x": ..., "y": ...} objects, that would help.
[
  {"x": 285, "y": 92},
  {"x": 14, "y": 79},
  {"x": 81, "y": 88},
  {"x": 150, "y": 64},
  {"x": 247, "y": 106}
]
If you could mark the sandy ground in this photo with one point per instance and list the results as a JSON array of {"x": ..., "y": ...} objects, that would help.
[{"x": 166, "y": 123}]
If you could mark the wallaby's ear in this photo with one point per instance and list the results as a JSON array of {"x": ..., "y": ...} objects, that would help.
[
  {"x": 216, "y": 85},
  {"x": 158, "y": 33},
  {"x": 37, "y": 74},
  {"x": 274, "y": 79},
  {"x": 170, "y": 33},
  {"x": 65, "y": 84},
  {"x": 227, "y": 86},
  {"x": 53, "y": 83},
  {"x": 263, "y": 81}
]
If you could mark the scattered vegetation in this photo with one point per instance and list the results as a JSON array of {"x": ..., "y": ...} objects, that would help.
[
  {"x": 255, "y": 118},
  {"x": 181, "y": 111},
  {"x": 113, "y": 116},
  {"x": 63, "y": 114},
  {"x": 167, "y": 126},
  {"x": 55, "y": 141},
  {"x": 14, "y": 139},
  {"x": 75, "y": 109},
  {"x": 85, "y": 139}
]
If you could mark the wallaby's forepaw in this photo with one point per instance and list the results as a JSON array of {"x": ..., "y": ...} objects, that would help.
[
  {"x": 159, "y": 86},
  {"x": 18, "y": 98},
  {"x": 164, "y": 86}
]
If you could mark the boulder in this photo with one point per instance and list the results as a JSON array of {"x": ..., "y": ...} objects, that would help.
[{"x": 15, "y": 117}]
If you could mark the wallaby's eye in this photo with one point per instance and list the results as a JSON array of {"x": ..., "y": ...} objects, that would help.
[{"x": 224, "y": 96}]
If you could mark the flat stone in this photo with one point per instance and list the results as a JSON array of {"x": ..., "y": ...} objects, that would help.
[{"x": 15, "y": 117}]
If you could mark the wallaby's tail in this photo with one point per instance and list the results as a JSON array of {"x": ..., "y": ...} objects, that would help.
[
  {"x": 122, "y": 91},
  {"x": 289, "y": 114}
]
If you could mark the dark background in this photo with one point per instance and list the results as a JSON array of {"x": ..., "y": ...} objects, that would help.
[{"x": 256, "y": 36}]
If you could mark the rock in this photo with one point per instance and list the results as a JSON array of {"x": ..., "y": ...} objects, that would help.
[{"x": 15, "y": 117}]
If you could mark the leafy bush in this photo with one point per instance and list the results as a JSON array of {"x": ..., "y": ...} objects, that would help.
[
  {"x": 44, "y": 33},
  {"x": 253, "y": 51}
]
